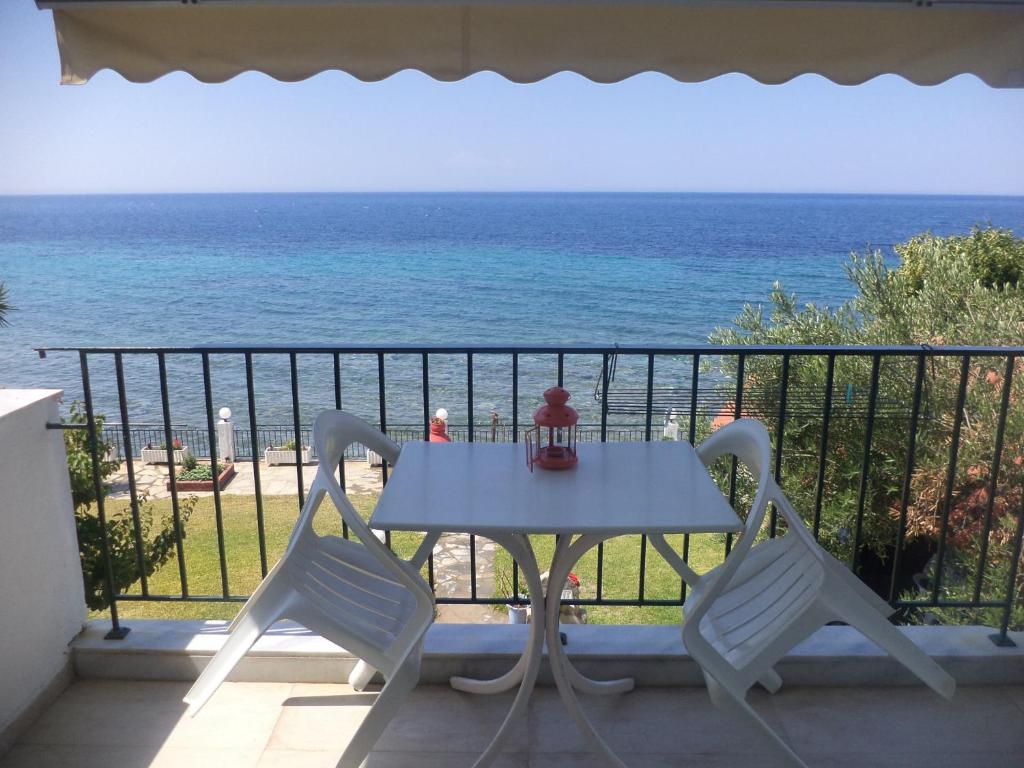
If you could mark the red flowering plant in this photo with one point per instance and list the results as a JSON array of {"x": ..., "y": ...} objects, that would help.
[{"x": 973, "y": 509}]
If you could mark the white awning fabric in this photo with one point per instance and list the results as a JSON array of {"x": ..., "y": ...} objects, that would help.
[{"x": 604, "y": 40}]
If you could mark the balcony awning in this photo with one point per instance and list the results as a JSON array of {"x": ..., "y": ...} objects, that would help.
[{"x": 849, "y": 42}]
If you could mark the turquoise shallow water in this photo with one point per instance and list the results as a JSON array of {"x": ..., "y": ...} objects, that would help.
[{"x": 484, "y": 268}]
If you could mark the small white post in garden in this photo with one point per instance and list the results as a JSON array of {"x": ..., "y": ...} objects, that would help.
[
  {"x": 671, "y": 431},
  {"x": 225, "y": 436}
]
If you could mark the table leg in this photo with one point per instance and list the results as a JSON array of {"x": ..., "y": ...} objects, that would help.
[
  {"x": 580, "y": 681},
  {"x": 520, "y": 548},
  {"x": 566, "y": 676},
  {"x": 525, "y": 670},
  {"x": 361, "y": 675},
  {"x": 596, "y": 687}
]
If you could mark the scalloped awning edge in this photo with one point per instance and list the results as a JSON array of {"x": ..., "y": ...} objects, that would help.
[{"x": 526, "y": 42}]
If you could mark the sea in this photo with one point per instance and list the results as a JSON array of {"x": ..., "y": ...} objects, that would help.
[{"x": 301, "y": 269}]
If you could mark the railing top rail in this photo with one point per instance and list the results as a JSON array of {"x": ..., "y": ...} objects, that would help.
[{"x": 567, "y": 349}]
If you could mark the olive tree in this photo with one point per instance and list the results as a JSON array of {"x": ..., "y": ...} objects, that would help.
[{"x": 960, "y": 290}]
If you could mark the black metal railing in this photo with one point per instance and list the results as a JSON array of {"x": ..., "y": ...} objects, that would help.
[
  {"x": 892, "y": 453},
  {"x": 151, "y": 437}
]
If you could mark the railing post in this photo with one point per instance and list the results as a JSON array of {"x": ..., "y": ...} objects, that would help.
[
  {"x": 129, "y": 466},
  {"x": 117, "y": 632},
  {"x": 954, "y": 451},
  {"x": 865, "y": 467},
  {"x": 337, "y": 406},
  {"x": 179, "y": 531},
  {"x": 297, "y": 427},
  {"x": 211, "y": 432},
  {"x": 1002, "y": 639},
  {"x": 254, "y": 457}
]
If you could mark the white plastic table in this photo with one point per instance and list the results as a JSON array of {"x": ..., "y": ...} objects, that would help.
[{"x": 486, "y": 489}]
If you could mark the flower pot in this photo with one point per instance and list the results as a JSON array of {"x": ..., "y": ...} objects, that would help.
[
  {"x": 286, "y": 455},
  {"x": 159, "y": 455},
  {"x": 205, "y": 485},
  {"x": 518, "y": 614}
]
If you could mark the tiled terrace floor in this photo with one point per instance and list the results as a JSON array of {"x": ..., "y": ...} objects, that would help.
[{"x": 259, "y": 725}]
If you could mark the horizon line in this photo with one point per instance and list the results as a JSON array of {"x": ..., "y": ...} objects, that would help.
[{"x": 514, "y": 192}]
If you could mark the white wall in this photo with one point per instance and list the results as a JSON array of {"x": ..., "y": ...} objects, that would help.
[{"x": 42, "y": 604}]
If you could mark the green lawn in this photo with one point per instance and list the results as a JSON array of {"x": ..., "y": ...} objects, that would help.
[
  {"x": 241, "y": 547},
  {"x": 621, "y": 575},
  {"x": 241, "y": 543}
]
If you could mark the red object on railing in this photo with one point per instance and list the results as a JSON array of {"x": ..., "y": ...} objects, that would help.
[{"x": 555, "y": 446}]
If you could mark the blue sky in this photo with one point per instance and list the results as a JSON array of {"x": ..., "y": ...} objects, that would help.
[{"x": 410, "y": 132}]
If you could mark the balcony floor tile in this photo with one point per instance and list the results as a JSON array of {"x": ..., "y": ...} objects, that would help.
[
  {"x": 657, "y": 721},
  {"x": 96, "y": 724},
  {"x": 902, "y": 720}
]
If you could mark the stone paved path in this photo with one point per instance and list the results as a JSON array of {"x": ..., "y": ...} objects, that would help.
[
  {"x": 452, "y": 579},
  {"x": 279, "y": 480}
]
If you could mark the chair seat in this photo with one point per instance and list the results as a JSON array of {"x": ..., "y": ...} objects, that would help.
[
  {"x": 777, "y": 582},
  {"x": 770, "y": 595},
  {"x": 350, "y": 586}
]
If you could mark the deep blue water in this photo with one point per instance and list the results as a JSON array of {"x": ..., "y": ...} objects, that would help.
[{"x": 430, "y": 268}]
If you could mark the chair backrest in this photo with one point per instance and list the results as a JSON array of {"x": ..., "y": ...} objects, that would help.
[
  {"x": 333, "y": 432},
  {"x": 748, "y": 441}
]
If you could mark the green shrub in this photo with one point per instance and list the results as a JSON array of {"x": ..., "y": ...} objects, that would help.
[
  {"x": 962, "y": 290},
  {"x": 157, "y": 545},
  {"x": 993, "y": 257}
]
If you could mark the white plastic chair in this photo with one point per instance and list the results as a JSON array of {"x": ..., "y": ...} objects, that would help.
[
  {"x": 357, "y": 594},
  {"x": 746, "y": 614}
]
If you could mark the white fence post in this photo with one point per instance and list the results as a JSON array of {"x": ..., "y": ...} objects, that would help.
[
  {"x": 671, "y": 431},
  {"x": 226, "y": 436}
]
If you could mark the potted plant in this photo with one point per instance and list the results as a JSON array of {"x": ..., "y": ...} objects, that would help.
[
  {"x": 519, "y": 611},
  {"x": 568, "y": 614},
  {"x": 151, "y": 455},
  {"x": 518, "y": 614},
  {"x": 286, "y": 454},
  {"x": 201, "y": 477}
]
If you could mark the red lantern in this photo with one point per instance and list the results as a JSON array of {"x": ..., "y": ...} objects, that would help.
[{"x": 552, "y": 442}]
